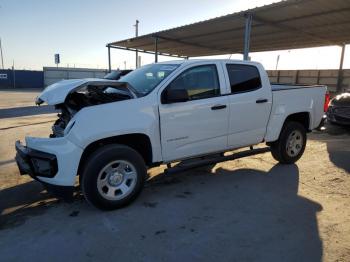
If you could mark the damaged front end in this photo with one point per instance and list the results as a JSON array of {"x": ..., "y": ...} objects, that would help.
[
  {"x": 89, "y": 93},
  {"x": 54, "y": 161}
]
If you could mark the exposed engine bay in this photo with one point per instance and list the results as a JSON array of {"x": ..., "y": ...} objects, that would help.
[{"x": 89, "y": 95}]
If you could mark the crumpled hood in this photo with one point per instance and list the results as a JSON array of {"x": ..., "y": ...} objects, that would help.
[{"x": 56, "y": 93}]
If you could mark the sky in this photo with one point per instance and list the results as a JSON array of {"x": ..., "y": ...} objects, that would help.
[{"x": 32, "y": 31}]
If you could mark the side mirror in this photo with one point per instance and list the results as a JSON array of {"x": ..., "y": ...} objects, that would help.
[{"x": 175, "y": 96}]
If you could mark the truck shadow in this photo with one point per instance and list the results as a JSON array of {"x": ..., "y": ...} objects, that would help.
[
  {"x": 243, "y": 214},
  {"x": 337, "y": 139},
  {"x": 262, "y": 216},
  {"x": 21, "y": 202}
]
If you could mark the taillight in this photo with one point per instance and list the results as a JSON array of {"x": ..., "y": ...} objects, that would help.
[{"x": 327, "y": 99}]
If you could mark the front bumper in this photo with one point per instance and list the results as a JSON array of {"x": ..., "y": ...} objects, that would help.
[
  {"x": 52, "y": 161},
  {"x": 338, "y": 119},
  {"x": 34, "y": 162},
  {"x": 40, "y": 164}
]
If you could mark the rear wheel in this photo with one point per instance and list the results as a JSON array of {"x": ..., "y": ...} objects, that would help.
[
  {"x": 291, "y": 144},
  {"x": 113, "y": 177}
]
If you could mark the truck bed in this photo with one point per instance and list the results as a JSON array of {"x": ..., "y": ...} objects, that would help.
[{"x": 291, "y": 99}]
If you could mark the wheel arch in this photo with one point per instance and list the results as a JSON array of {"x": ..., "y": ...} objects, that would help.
[
  {"x": 137, "y": 141},
  {"x": 302, "y": 118},
  {"x": 276, "y": 124}
]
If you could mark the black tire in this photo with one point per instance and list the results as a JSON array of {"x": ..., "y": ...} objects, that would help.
[
  {"x": 94, "y": 166},
  {"x": 279, "y": 148}
]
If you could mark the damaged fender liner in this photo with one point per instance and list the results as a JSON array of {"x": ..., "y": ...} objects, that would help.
[{"x": 28, "y": 162}]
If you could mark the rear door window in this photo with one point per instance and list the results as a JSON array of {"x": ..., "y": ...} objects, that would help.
[{"x": 243, "y": 78}]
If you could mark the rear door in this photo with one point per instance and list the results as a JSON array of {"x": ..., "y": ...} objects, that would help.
[
  {"x": 198, "y": 126},
  {"x": 250, "y": 101}
]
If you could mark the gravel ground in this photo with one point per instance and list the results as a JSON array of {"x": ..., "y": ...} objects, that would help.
[
  {"x": 250, "y": 209},
  {"x": 17, "y": 98}
]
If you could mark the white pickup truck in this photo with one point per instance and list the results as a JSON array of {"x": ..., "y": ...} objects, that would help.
[{"x": 110, "y": 132}]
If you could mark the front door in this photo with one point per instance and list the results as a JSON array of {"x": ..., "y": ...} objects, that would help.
[{"x": 199, "y": 125}]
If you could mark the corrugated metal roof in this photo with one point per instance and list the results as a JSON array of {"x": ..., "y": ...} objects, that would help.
[{"x": 284, "y": 25}]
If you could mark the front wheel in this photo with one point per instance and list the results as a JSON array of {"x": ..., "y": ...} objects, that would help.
[
  {"x": 291, "y": 144},
  {"x": 113, "y": 177}
]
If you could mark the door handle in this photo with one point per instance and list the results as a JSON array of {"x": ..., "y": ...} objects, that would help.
[
  {"x": 260, "y": 101},
  {"x": 218, "y": 107}
]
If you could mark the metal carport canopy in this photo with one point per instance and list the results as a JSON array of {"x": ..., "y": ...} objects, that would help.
[{"x": 284, "y": 25}]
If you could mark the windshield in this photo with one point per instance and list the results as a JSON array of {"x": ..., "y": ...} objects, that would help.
[{"x": 146, "y": 78}]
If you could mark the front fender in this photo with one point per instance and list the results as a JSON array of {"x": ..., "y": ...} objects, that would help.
[{"x": 119, "y": 118}]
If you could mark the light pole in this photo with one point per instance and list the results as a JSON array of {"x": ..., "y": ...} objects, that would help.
[
  {"x": 137, "y": 34},
  {"x": 2, "y": 57},
  {"x": 14, "y": 74},
  {"x": 277, "y": 61}
]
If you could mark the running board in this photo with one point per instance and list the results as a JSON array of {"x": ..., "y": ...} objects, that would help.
[{"x": 203, "y": 162}]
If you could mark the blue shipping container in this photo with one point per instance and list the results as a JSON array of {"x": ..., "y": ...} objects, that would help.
[{"x": 21, "y": 79}]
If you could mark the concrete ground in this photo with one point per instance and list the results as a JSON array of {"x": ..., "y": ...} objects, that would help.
[{"x": 250, "y": 209}]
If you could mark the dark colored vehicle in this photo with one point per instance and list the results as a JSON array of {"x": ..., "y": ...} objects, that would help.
[
  {"x": 339, "y": 109},
  {"x": 116, "y": 74}
]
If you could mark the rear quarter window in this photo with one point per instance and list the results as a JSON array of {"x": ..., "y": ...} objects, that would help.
[{"x": 243, "y": 78}]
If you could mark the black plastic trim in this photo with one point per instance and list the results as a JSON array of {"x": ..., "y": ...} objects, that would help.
[
  {"x": 218, "y": 107},
  {"x": 24, "y": 158},
  {"x": 260, "y": 101},
  {"x": 215, "y": 160}
]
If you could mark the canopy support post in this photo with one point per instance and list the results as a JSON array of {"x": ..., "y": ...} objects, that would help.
[
  {"x": 248, "y": 27},
  {"x": 109, "y": 59},
  {"x": 340, "y": 73},
  {"x": 156, "y": 49}
]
